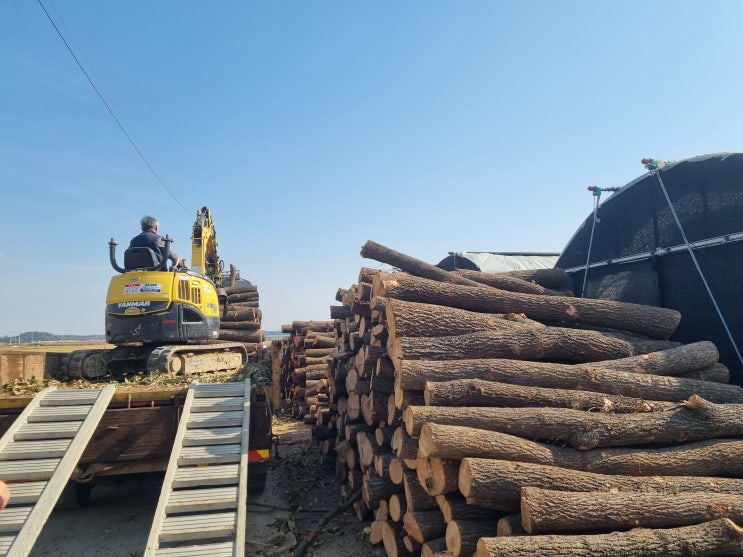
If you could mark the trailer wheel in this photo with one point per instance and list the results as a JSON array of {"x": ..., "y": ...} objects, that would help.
[
  {"x": 257, "y": 475},
  {"x": 74, "y": 496}
]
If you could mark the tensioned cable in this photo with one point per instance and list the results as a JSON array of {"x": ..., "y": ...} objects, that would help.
[
  {"x": 110, "y": 110},
  {"x": 596, "y": 196},
  {"x": 654, "y": 167}
]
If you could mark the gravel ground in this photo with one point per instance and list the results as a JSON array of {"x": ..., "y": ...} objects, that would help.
[{"x": 300, "y": 491}]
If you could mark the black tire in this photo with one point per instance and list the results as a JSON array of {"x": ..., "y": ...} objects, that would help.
[
  {"x": 257, "y": 476},
  {"x": 73, "y": 496}
]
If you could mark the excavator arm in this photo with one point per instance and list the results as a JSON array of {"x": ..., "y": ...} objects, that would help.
[{"x": 204, "y": 257}]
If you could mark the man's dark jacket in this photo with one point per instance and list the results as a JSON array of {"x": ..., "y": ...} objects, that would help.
[{"x": 152, "y": 240}]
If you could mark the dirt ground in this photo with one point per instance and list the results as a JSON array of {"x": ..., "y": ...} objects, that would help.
[{"x": 299, "y": 492}]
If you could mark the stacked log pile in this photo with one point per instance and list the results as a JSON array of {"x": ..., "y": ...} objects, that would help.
[
  {"x": 304, "y": 369},
  {"x": 240, "y": 317},
  {"x": 494, "y": 415}
]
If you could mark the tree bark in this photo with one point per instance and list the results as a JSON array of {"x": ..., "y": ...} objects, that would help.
[
  {"x": 455, "y": 507},
  {"x": 505, "y": 281},
  {"x": 376, "y": 488},
  {"x": 598, "y": 377},
  {"x": 411, "y": 319},
  {"x": 523, "y": 343},
  {"x": 424, "y": 525},
  {"x": 383, "y": 254},
  {"x": 694, "y": 421},
  {"x": 476, "y": 392},
  {"x": 434, "y": 548},
  {"x": 438, "y": 476},
  {"x": 510, "y": 525},
  {"x": 711, "y": 457},
  {"x": 392, "y": 534},
  {"x": 416, "y": 497},
  {"x": 718, "y": 537},
  {"x": 498, "y": 483},
  {"x": 241, "y": 336},
  {"x": 651, "y": 321},
  {"x": 546, "y": 511}
]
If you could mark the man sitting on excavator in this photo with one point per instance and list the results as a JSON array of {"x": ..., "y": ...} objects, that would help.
[{"x": 149, "y": 238}]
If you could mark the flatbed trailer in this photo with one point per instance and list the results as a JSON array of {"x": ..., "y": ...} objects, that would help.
[{"x": 136, "y": 435}]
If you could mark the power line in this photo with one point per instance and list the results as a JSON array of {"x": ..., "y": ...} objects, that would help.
[{"x": 107, "y": 105}]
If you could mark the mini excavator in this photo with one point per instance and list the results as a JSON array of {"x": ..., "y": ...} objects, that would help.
[{"x": 163, "y": 318}]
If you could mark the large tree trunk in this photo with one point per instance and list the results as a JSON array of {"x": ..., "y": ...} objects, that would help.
[
  {"x": 383, "y": 254},
  {"x": 674, "y": 361},
  {"x": 476, "y": 392},
  {"x": 718, "y": 537},
  {"x": 651, "y": 321},
  {"x": 712, "y": 457},
  {"x": 411, "y": 319},
  {"x": 525, "y": 343},
  {"x": 694, "y": 421},
  {"x": 545, "y": 511},
  {"x": 506, "y": 281},
  {"x": 598, "y": 377},
  {"x": 497, "y": 483}
]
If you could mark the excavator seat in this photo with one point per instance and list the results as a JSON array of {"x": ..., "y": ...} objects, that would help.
[{"x": 140, "y": 258}]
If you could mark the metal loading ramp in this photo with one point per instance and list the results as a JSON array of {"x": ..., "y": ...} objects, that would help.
[
  {"x": 41, "y": 450},
  {"x": 203, "y": 504}
]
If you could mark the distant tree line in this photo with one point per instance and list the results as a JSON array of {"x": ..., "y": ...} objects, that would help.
[{"x": 39, "y": 336}]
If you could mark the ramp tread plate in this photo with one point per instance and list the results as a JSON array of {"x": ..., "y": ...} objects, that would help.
[
  {"x": 207, "y": 499},
  {"x": 205, "y": 390},
  {"x": 37, "y": 469},
  {"x": 59, "y": 413},
  {"x": 50, "y": 448},
  {"x": 26, "y": 492},
  {"x": 197, "y": 527},
  {"x": 64, "y": 397},
  {"x": 12, "y": 519},
  {"x": 59, "y": 430},
  {"x": 214, "y": 436},
  {"x": 221, "y": 474},
  {"x": 217, "y": 404},
  {"x": 215, "y": 419},
  {"x": 224, "y": 549}
]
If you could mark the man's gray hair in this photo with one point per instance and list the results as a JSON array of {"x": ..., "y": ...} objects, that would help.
[{"x": 148, "y": 223}]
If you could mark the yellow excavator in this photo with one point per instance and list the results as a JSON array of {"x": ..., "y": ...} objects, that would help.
[{"x": 160, "y": 318}]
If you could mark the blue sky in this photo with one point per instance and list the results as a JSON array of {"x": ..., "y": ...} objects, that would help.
[{"x": 311, "y": 127}]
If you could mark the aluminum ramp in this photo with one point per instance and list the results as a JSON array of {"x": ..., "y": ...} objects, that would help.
[
  {"x": 41, "y": 450},
  {"x": 203, "y": 504}
]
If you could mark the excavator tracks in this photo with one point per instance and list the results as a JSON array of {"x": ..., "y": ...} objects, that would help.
[{"x": 177, "y": 359}]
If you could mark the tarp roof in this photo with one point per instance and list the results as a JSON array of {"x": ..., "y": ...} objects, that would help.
[{"x": 492, "y": 262}]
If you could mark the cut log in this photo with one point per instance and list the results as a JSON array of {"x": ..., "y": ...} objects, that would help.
[
  {"x": 240, "y": 335},
  {"x": 555, "y": 279},
  {"x": 527, "y": 343},
  {"x": 651, "y": 321},
  {"x": 411, "y": 319},
  {"x": 434, "y": 548},
  {"x": 504, "y": 281},
  {"x": 510, "y": 525},
  {"x": 545, "y": 511},
  {"x": 392, "y": 535},
  {"x": 376, "y": 488},
  {"x": 718, "y": 537},
  {"x": 416, "y": 498},
  {"x": 711, "y": 457},
  {"x": 368, "y": 447},
  {"x": 397, "y": 506},
  {"x": 382, "y": 463},
  {"x": 424, "y": 525},
  {"x": 462, "y": 535},
  {"x": 476, "y": 392},
  {"x": 498, "y": 483},
  {"x": 455, "y": 507},
  {"x": 383, "y": 254},
  {"x": 598, "y": 377},
  {"x": 397, "y": 470},
  {"x": 695, "y": 420},
  {"x": 246, "y": 325}
]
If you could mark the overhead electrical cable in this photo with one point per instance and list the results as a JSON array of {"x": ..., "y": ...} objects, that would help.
[{"x": 118, "y": 121}]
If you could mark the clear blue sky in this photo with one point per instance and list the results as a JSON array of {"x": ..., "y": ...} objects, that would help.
[{"x": 310, "y": 127}]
